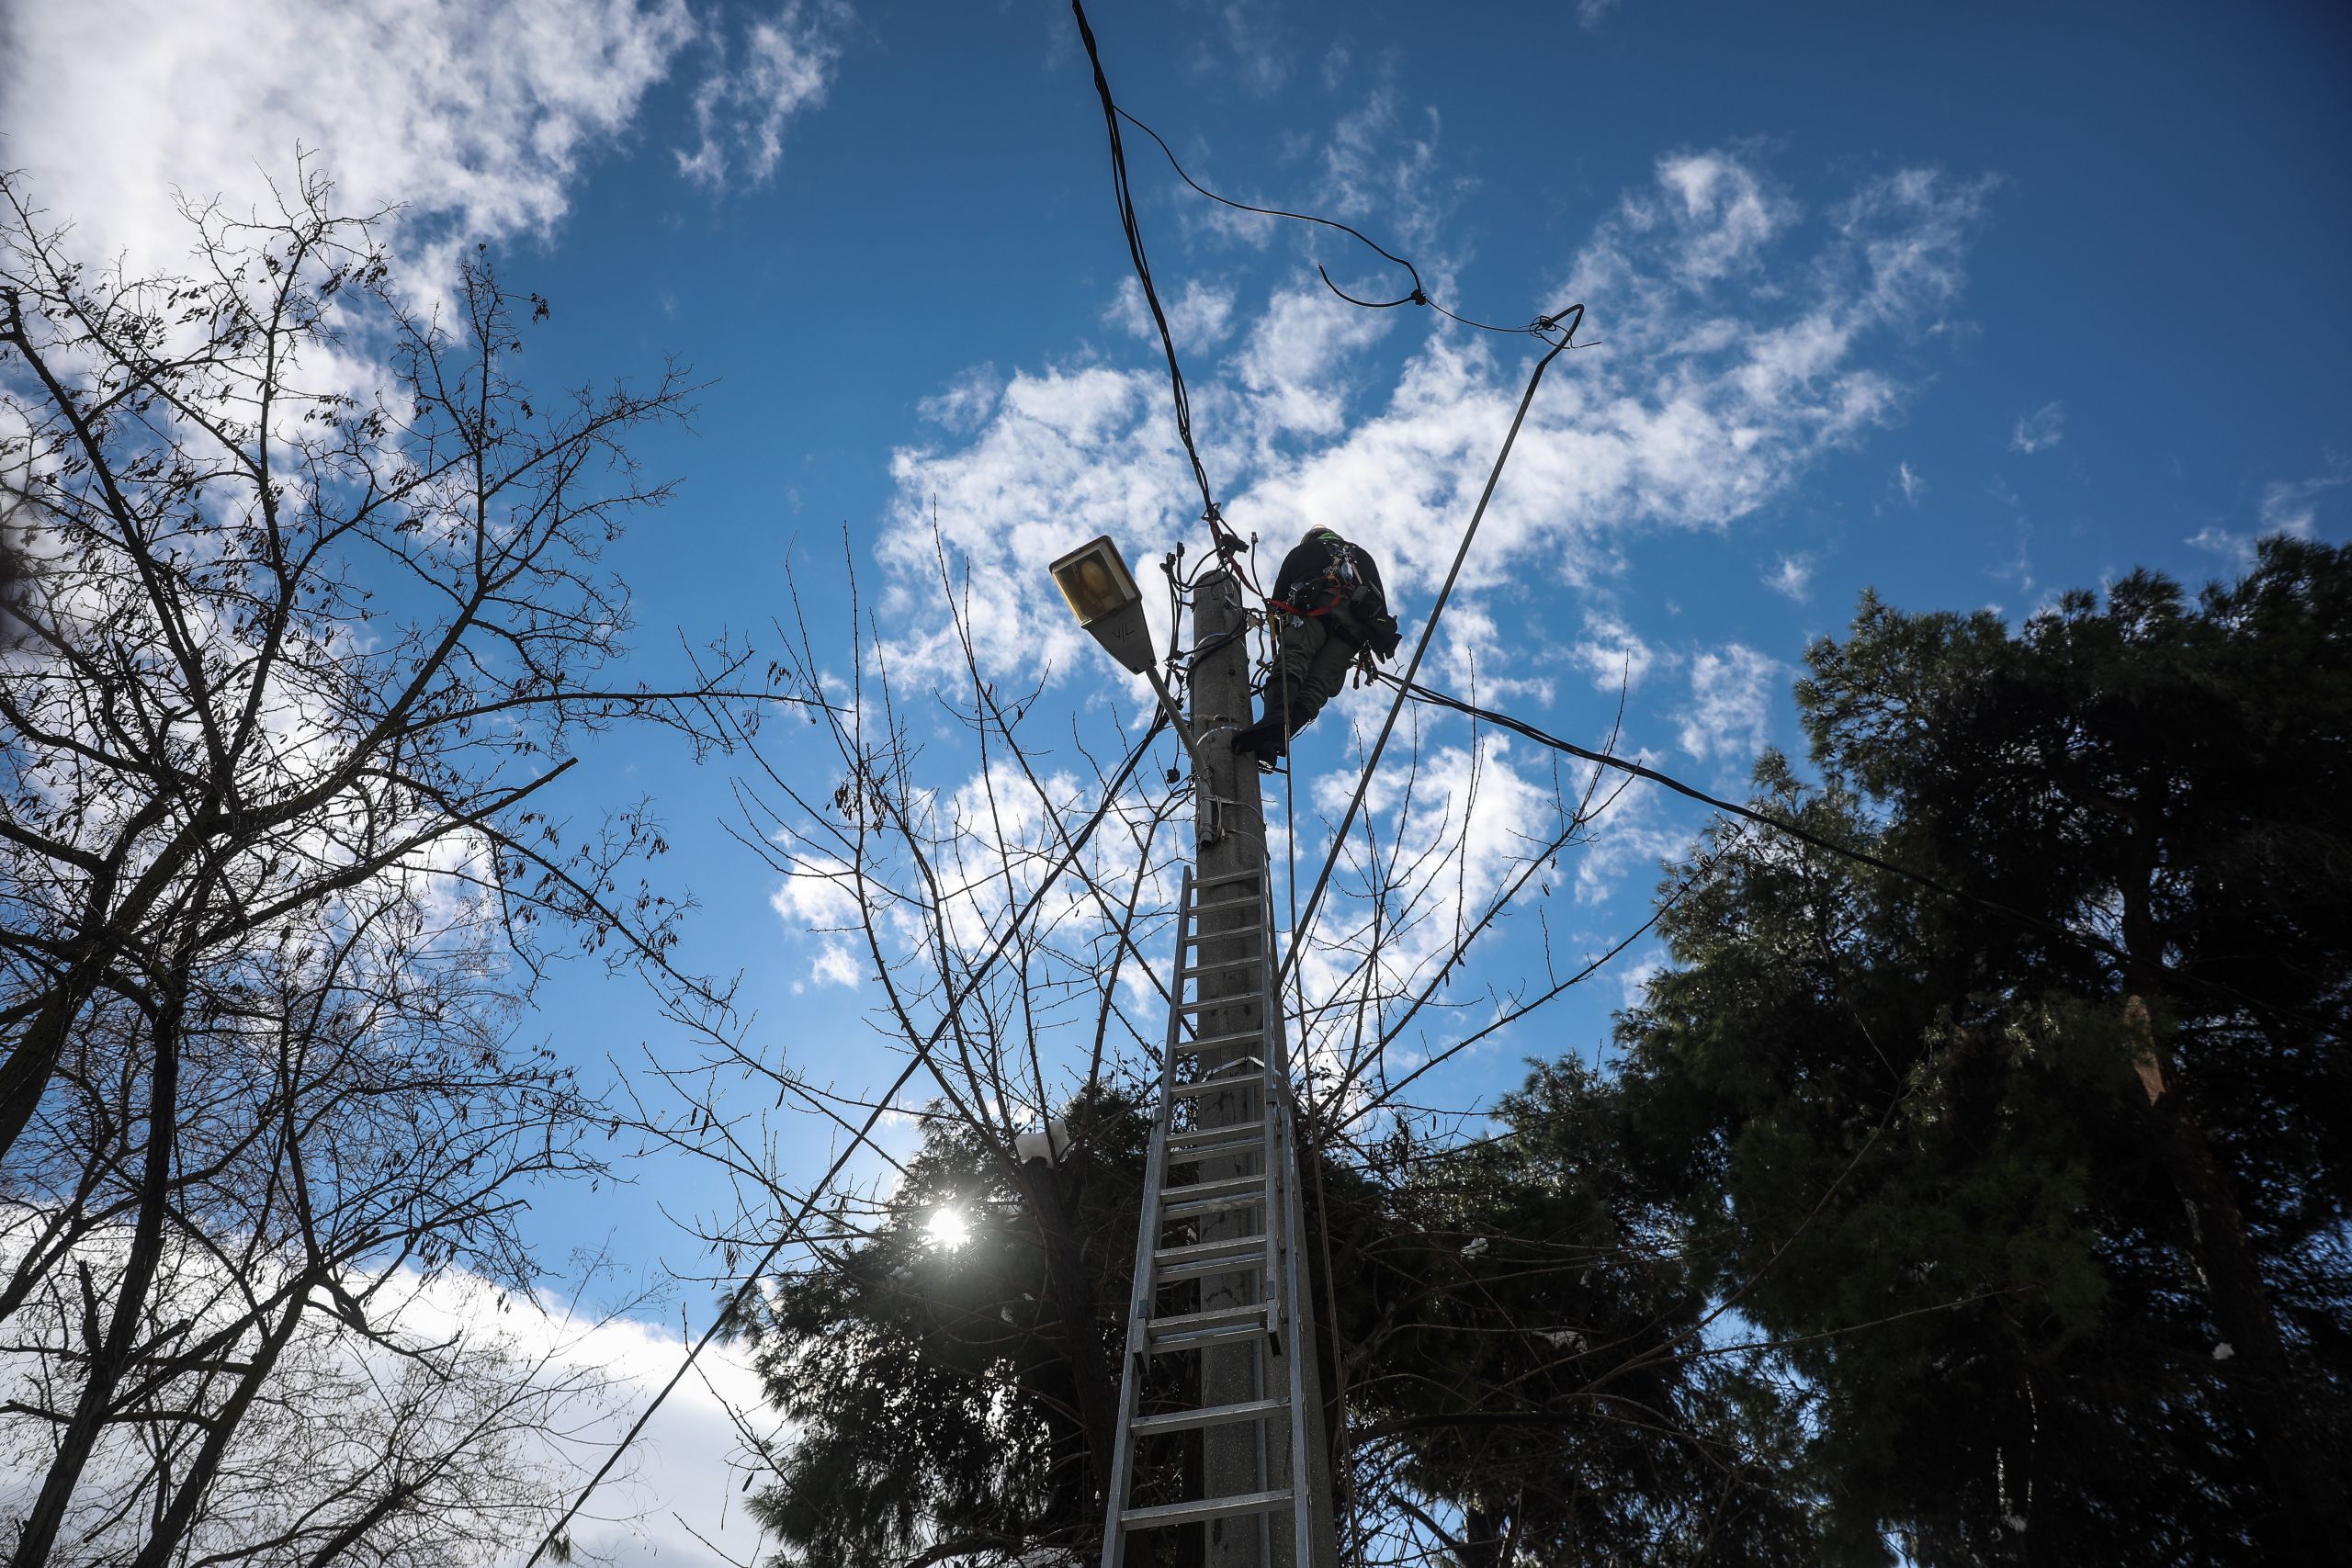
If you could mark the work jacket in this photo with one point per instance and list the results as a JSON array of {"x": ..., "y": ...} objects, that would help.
[{"x": 1325, "y": 576}]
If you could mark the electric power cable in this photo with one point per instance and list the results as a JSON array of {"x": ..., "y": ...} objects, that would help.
[
  {"x": 1407, "y": 687},
  {"x": 1419, "y": 294},
  {"x": 1567, "y": 321},
  {"x": 798, "y": 1224}
]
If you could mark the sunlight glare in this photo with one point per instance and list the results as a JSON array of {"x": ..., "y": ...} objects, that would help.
[{"x": 948, "y": 1229}]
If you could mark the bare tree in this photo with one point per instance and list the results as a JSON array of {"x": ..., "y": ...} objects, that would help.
[
  {"x": 1024, "y": 979},
  {"x": 315, "y": 617}
]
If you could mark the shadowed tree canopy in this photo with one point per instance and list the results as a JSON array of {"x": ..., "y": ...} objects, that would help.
[
  {"x": 1527, "y": 1373},
  {"x": 2055, "y": 1227}
]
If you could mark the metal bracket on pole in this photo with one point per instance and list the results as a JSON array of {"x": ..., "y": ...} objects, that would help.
[{"x": 1175, "y": 718}]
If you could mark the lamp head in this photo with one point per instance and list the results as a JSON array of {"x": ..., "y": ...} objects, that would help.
[{"x": 1103, "y": 595}]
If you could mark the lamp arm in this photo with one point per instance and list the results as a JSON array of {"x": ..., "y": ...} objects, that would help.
[{"x": 1176, "y": 718}]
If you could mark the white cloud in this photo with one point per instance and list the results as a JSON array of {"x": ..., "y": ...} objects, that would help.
[
  {"x": 2041, "y": 429},
  {"x": 1794, "y": 579},
  {"x": 967, "y": 401},
  {"x": 475, "y": 112},
  {"x": 1590, "y": 12},
  {"x": 2286, "y": 507},
  {"x": 1611, "y": 654},
  {"x": 1735, "y": 350},
  {"x": 1909, "y": 484},
  {"x": 740, "y": 109},
  {"x": 2292, "y": 507},
  {"x": 1200, "y": 317},
  {"x": 1633, "y": 832},
  {"x": 1634, "y": 981},
  {"x": 1252, "y": 54},
  {"x": 1730, "y": 712}
]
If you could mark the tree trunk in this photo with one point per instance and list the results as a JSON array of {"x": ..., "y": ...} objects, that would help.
[
  {"x": 2313, "y": 1522},
  {"x": 1074, "y": 1305},
  {"x": 111, "y": 1358},
  {"x": 180, "y": 1518}
]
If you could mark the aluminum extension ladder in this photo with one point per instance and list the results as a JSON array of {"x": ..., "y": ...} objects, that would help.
[{"x": 1224, "y": 1115}]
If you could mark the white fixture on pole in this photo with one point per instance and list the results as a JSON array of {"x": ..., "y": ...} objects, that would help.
[{"x": 1101, "y": 593}]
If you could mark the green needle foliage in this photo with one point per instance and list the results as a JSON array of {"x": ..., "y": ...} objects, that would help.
[
  {"x": 1529, "y": 1375},
  {"x": 2054, "y": 1228},
  {"x": 926, "y": 1367}
]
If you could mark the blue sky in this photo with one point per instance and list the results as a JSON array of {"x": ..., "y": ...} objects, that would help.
[{"x": 1967, "y": 304}]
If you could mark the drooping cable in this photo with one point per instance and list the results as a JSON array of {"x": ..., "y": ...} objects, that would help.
[
  {"x": 1419, "y": 294},
  {"x": 799, "y": 1224},
  {"x": 1567, "y": 321},
  {"x": 1227, "y": 546},
  {"x": 1407, "y": 687},
  {"x": 1230, "y": 548}
]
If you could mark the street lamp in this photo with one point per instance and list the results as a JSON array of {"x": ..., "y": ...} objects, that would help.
[{"x": 1101, "y": 593}]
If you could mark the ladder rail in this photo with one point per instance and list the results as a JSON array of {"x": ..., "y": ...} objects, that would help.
[
  {"x": 1283, "y": 1178},
  {"x": 1155, "y": 1173},
  {"x": 1275, "y": 1325}
]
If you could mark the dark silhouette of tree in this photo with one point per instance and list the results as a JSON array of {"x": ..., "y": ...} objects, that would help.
[
  {"x": 1530, "y": 1379},
  {"x": 2053, "y": 1226}
]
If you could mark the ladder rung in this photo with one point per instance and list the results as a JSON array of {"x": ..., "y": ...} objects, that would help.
[
  {"x": 1191, "y": 1208},
  {"x": 1241, "y": 1000},
  {"x": 1201, "y": 1268},
  {"x": 1225, "y": 1138},
  {"x": 1214, "y": 1416},
  {"x": 1248, "y": 960},
  {"x": 1215, "y": 1151},
  {"x": 1190, "y": 1330},
  {"x": 1200, "y": 882},
  {"x": 1218, "y": 1042},
  {"x": 1206, "y": 1508},
  {"x": 1223, "y": 1186},
  {"x": 1199, "y": 937},
  {"x": 1220, "y": 1250},
  {"x": 1220, "y": 1080}
]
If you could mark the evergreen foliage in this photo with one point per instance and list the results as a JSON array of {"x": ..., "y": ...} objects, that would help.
[
  {"x": 2023, "y": 1209},
  {"x": 1991, "y": 1214}
]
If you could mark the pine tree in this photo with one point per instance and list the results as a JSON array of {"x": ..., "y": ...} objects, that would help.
[{"x": 2041, "y": 1176}]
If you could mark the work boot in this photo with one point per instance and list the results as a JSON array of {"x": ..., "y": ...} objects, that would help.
[{"x": 1264, "y": 740}]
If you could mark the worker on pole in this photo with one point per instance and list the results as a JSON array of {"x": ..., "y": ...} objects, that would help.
[{"x": 1329, "y": 612}]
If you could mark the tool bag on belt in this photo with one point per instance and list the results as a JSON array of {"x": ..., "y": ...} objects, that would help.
[{"x": 1358, "y": 609}]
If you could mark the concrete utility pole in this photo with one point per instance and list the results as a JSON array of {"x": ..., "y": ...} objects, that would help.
[{"x": 1229, "y": 828}]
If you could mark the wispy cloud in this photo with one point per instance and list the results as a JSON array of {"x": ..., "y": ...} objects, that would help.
[
  {"x": 1908, "y": 484},
  {"x": 1611, "y": 654},
  {"x": 1200, "y": 316},
  {"x": 1738, "y": 353},
  {"x": 1729, "y": 716},
  {"x": 2288, "y": 507},
  {"x": 779, "y": 68},
  {"x": 1793, "y": 580},
  {"x": 2292, "y": 506},
  {"x": 967, "y": 401},
  {"x": 2041, "y": 430}
]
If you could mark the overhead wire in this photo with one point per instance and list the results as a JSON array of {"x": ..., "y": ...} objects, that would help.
[
  {"x": 797, "y": 1227},
  {"x": 1407, "y": 687},
  {"x": 1565, "y": 323},
  {"x": 1419, "y": 292},
  {"x": 1227, "y": 546},
  {"x": 1230, "y": 548}
]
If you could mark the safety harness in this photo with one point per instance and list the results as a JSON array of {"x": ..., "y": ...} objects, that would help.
[{"x": 1362, "y": 609}]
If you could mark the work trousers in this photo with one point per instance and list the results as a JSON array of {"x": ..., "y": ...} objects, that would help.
[{"x": 1312, "y": 659}]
